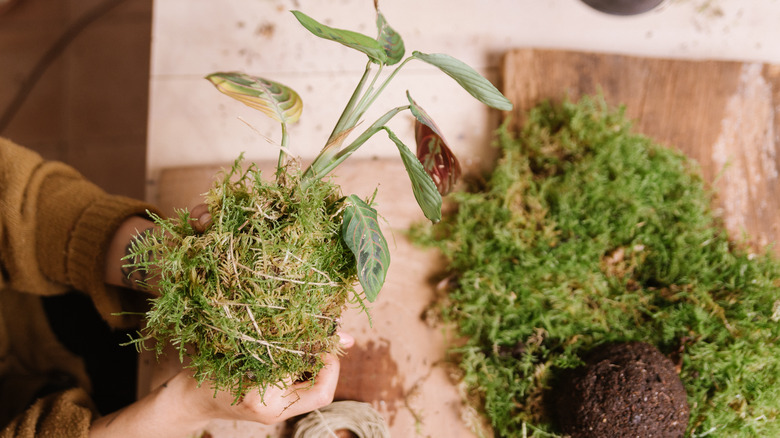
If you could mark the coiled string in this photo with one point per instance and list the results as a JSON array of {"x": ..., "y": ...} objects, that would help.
[{"x": 357, "y": 417}]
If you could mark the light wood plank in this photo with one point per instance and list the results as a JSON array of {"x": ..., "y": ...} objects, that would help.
[{"x": 720, "y": 113}]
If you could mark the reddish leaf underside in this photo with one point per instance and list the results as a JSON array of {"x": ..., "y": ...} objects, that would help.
[{"x": 436, "y": 157}]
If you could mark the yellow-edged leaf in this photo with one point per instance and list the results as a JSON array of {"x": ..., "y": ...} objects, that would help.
[{"x": 276, "y": 100}]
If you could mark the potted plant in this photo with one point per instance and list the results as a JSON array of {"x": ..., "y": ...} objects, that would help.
[{"x": 256, "y": 298}]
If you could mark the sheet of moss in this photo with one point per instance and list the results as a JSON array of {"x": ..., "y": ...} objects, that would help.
[{"x": 587, "y": 233}]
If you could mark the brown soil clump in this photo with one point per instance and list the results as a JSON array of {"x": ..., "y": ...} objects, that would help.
[{"x": 625, "y": 390}]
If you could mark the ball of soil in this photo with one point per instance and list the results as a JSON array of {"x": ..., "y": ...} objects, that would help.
[{"x": 625, "y": 390}]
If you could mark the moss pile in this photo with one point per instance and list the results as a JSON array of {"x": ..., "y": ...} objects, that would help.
[
  {"x": 256, "y": 298},
  {"x": 587, "y": 234}
]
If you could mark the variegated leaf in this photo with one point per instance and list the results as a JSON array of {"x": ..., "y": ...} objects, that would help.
[
  {"x": 354, "y": 40},
  {"x": 362, "y": 235},
  {"x": 390, "y": 40},
  {"x": 423, "y": 187},
  {"x": 276, "y": 100},
  {"x": 436, "y": 157},
  {"x": 468, "y": 78}
]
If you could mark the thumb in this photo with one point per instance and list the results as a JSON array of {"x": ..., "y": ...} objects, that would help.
[{"x": 200, "y": 218}]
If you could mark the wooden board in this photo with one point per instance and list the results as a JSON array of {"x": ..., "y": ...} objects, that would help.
[
  {"x": 722, "y": 114},
  {"x": 715, "y": 112}
]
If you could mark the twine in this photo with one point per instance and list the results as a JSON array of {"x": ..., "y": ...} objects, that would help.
[{"x": 357, "y": 417}]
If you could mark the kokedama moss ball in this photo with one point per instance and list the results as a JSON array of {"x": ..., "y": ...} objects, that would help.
[
  {"x": 625, "y": 390},
  {"x": 256, "y": 298}
]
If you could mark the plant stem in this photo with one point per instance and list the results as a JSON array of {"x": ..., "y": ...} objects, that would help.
[
  {"x": 349, "y": 118},
  {"x": 345, "y": 123},
  {"x": 282, "y": 155},
  {"x": 370, "y": 95},
  {"x": 314, "y": 173},
  {"x": 350, "y": 105},
  {"x": 387, "y": 81},
  {"x": 365, "y": 101}
]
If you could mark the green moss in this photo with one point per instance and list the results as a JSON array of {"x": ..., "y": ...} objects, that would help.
[
  {"x": 255, "y": 299},
  {"x": 587, "y": 233}
]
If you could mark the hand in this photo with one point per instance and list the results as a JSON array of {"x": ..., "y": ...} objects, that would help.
[
  {"x": 180, "y": 407},
  {"x": 116, "y": 273},
  {"x": 200, "y": 217},
  {"x": 277, "y": 404}
]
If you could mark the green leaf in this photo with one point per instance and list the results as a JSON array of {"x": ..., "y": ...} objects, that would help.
[
  {"x": 425, "y": 191},
  {"x": 421, "y": 115},
  {"x": 468, "y": 78},
  {"x": 360, "y": 231},
  {"x": 354, "y": 40},
  {"x": 276, "y": 100},
  {"x": 390, "y": 40}
]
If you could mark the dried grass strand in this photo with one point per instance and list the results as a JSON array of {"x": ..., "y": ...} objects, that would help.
[
  {"x": 287, "y": 280},
  {"x": 245, "y": 337}
]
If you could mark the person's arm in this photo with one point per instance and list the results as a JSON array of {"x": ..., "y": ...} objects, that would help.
[{"x": 179, "y": 407}]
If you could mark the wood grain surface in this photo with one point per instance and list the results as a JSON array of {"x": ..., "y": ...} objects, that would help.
[{"x": 722, "y": 114}]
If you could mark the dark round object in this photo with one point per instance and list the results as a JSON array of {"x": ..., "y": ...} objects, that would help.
[
  {"x": 625, "y": 390},
  {"x": 623, "y": 7}
]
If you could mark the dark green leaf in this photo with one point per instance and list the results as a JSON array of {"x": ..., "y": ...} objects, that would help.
[
  {"x": 360, "y": 231},
  {"x": 423, "y": 187},
  {"x": 468, "y": 78},
  {"x": 354, "y": 40},
  {"x": 276, "y": 100},
  {"x": 390, "y": 40}
]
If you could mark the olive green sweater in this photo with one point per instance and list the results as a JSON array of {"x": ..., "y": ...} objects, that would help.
[{"x": 55, "y": 229}]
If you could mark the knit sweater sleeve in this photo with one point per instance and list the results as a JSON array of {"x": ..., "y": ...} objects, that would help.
[
  {"x": 56, "y": 230},
  {"x": 66, "y": 414}
]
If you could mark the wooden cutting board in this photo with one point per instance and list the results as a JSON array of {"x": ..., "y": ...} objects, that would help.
[{"x": 723, "y": 114}]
